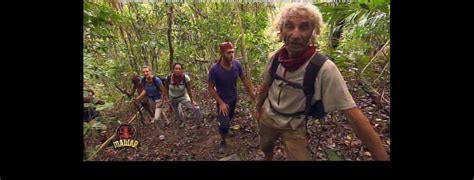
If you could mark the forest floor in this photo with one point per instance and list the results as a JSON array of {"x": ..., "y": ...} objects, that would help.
[{"x": 193, "y": 143}]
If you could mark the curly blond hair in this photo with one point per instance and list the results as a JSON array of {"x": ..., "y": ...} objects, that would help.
[{"x": 302, "y": 9}]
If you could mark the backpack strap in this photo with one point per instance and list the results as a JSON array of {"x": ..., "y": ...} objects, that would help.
[
  {"x": 274, "y": 75},
  {"x": 154, "y": 79},
  {"x": 311, "y": 72},
  {"x": 310, "y": 75},
  {"x": 155, "y": 82},
  {"x": 143, "y": 81},
  {"x": 168, "y": 80},
  {"x": 292, "y": 84},
  {"x": 274, "y": 67},
  {"x": 184, "y": 79}
]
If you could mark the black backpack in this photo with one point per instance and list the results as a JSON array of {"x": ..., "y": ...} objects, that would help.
[{"x": 315, "y": 110}]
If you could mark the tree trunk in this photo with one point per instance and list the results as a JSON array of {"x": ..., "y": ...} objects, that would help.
[
  {"x": 170, "y": 23},
  {"x": 128, "y": 45},
  {"x": 138, "y": 34},
  {"x": 117, "y": 5},
  {"x": 134, "y": 61},
  {"x": 242, "y": 42},
  {"x": 153, "y": 59}
]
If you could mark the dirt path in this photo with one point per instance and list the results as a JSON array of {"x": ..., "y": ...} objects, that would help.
[{"x": 190, "y": 143}]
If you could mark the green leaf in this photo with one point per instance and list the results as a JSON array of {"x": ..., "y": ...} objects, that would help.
[
  {"x": 86, "y": 127},
  {"x": 105, "y": 106},
  {"x": 98, "y": 125},
  {"x": 333, "y": 156}
]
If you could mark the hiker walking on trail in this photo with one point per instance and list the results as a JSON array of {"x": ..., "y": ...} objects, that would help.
[
  {"x": 155, "y": 91},
  {"x": 90, "y": 101},
  {"x": 178, "y": 84},
  {"x": 139, "y": 87},
  {"x": 293, "y": 90},
  {"x": 90, "y": 112},
  {"x": 222, "y": 86}
]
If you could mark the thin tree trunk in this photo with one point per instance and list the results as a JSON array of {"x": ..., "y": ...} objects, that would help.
[
  {"x": 134, "y": 61},
  {"x": 117, "y": 5},
  {"x": 153, "y": 64},
  {"x": 129, "y": 47},
  {"x": 242, "y": 41},
  {"x": 170, "y": 23},
  {"x": 139, "y": 34}
]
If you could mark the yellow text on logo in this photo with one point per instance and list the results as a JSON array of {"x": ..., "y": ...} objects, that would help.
[{"x": 126, "y": 143}]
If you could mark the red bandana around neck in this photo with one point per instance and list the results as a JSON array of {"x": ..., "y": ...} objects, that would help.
[
  {"x": 177, "y": 78},
  {"x": 292, "y": 64}
]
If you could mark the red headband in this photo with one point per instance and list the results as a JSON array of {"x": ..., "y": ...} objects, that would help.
[{"x": 225, "y": 45}]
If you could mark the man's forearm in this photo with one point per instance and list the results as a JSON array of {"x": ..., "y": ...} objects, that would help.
[
  {"x": 164, "y": 92},
  {"x": 262, "y": 95},
  {"x": 133, "y": 91},
  {"x": 213, "y": 93},
  {"x": 248, "y": 86},
  {"x": 141, "y": 94}
]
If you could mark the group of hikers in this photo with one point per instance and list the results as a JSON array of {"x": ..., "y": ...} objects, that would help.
[
  {"x": 175, "y": 90},
  {"x": 299, "y": 84}
]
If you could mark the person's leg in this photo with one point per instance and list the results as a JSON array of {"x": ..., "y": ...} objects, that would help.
[
  {"x": 86, "y": 114},
  {"x": 232, "y": 109},
  {"x": 176, "y": 110},
  {"x": 91, "y": 114},
  {"x": 146, "y": 106},
  {"x": 231, "y": 114},
  {"x": 97, "y": 116},
  {"x": 155, "y": 104},
  {"x": 196, "y": 112},
  {"x": 296, "y": 144},
  {"x": 224, "y": 124},
  {"x": 268, "y": 135},
  {"x": 180, "y": 109},
  {"x": 158, "y": 109},
  {"x": 163, "y": 111},
  {"x": 151, "y": 106}
]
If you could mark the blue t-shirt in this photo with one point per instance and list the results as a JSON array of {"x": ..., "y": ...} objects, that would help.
[
  {"x": 151, "y": 89},
  {"x": 226, "y": 81}
]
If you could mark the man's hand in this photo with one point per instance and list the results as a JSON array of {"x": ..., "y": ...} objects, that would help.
[
  {"x": 136, "y": 100},
  {"x": 262, "y": 94},
  {"x": 224, "y": 109}
]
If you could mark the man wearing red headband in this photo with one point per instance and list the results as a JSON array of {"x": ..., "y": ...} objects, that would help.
[{"x": 222, "y": 85}]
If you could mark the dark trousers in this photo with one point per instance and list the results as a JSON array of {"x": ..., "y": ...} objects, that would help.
[{"x": 224, "y": 121}]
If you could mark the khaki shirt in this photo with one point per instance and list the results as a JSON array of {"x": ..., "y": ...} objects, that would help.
[{"x": 287, "y": 99}]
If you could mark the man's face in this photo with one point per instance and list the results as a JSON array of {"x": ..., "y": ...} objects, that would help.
[
  {"x": 177, "y": 69},
  {"x": 146, "y": 72},
  {"x": 228, "y": 54},
  {"x": 296, "y": 32}
]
